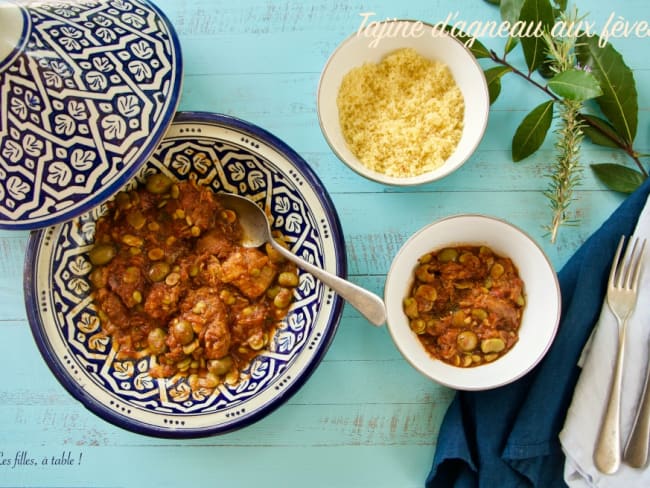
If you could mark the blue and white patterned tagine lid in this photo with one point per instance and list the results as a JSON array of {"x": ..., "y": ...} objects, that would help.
[{"x": 87, "y": 90}]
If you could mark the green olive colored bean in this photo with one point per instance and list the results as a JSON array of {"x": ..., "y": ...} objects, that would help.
[
  {"x": 521, "y": 301},
  {"x": 288, "y": 279},
  {"x": 497, "y": 270},
  {"x": 132, "y": 241},
  {"x": 158, "y": 183},
  {"x": 479, "y": 314},
  {"x": 156, "y": 341},
  {"x": 156, "y": 254},
  {"x": 257, "y": 342},
  {"x": 465, "y": 257},
  {"x": 158, "y": 271},
  {"x": 485, "y": 251},
  {"x": 458, "y": 318},
  {"x": 272, "y": 292},
  {"x": 136, "y": 219},
  {"x": 220, "y": 366},
  {"x": 447, "y": 255},
  {"x": 172, "y": 279},
  {"x": 418, "y": 326},
  {"x": 411, "y": 308},
  {"x": 467, "y": 340},
  {"x": 494, "y": 344},
  {"x": 426, "y": 292},
  {"x": 102, "y": 254},
  {"x": 424, "y": 273},
  {"x": 183, "y": 332}
]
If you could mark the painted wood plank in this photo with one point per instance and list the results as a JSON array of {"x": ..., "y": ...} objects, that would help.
[
  {"x": 261, "y": 60},
  {"x": 167, "y": 467}
]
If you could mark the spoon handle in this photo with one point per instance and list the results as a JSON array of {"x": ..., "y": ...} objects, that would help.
[{"x": 367, "y": 303}]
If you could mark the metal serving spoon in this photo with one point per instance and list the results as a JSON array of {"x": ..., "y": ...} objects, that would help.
[{"x": 257, "y": 231}]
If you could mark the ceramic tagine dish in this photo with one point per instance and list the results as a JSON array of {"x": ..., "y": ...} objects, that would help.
[{"x": 87, "y": 90}]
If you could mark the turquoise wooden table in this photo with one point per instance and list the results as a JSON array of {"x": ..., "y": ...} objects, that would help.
[{"x": 365, "y": 418}]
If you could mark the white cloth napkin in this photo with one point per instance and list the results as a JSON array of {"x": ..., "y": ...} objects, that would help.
[{"x": 578, "y": 436}]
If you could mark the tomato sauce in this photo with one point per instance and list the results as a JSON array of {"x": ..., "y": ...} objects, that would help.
[
  {"x": 172, "y": 282},
  {"x": 466, "y": 304}
]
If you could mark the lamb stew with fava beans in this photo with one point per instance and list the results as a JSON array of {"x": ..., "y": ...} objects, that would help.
[
  {"x": 171, "y": 282},
  {"x": 466, "y": 304}
]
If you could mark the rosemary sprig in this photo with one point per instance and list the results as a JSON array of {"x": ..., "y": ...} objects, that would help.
[{"x": 566, "y": 172}]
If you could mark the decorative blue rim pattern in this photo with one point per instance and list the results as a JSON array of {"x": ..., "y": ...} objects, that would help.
[
  {"x": 83, "y": 106},
  {"x": 22, "y": 38},
  {"x": 225, "y": 154}
]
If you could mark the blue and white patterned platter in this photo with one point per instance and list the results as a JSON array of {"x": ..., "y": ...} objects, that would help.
[
  {"x": 86, "y": 94},
  {"x": 227, "y": 155}
]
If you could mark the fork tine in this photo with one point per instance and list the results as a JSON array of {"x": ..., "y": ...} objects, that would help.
[
  {"x": 614, "y": 271},
  {"x": 636, "y": 266},
  {"x": 627, "y": 270}
]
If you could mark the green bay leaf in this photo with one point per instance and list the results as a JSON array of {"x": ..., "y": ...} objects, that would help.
[
  {"x": 575, "y": 84},
  {"x": 619, "y": 101},
  {"x": 618, "y": 177},
  {"x": 600, "y": 132},
  {"x": 532, "y": 131},
  {"x": 493, "y": 79},
  {"x": 534, "y": 13}
]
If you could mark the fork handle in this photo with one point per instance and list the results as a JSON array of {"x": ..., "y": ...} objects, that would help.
[
  {"x": 607, "y": 455},
  {"x": 636, "y": 449}
]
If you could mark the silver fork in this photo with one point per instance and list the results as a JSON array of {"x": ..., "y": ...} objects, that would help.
[
  {"x": 621, "y": 298},
  {"x": 636, "y": 448}
]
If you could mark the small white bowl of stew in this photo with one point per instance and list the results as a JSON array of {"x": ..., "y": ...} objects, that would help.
[{"x": 472, "y": 302}]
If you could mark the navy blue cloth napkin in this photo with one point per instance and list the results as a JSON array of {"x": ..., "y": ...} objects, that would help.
[{"x": 508, "y": 437}]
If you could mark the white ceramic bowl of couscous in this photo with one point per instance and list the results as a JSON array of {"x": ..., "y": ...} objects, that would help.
[{"x": 404, "y": 109}]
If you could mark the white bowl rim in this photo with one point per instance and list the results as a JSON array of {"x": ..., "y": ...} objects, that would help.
[
  {"x": 396, "y": 332},
  {"x": 427, "y": 177}
]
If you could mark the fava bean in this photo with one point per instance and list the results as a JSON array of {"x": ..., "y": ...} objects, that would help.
[
  {"x": 156, "y": 341},
  {"x": 467, "y": 340},
  {"x": 158, "y": 271},
  {"x": 418, "y": 326},
  {"x": 447, "y": 255},
  {"x": 183, "y": 332},
  {"x": 288, "y": 279},
  {"x": 494, "y": 344},
  {"x": 158, "y": 183},
  {"x": 102, "y": 254},
  {"x": 220, "y": 366}
]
